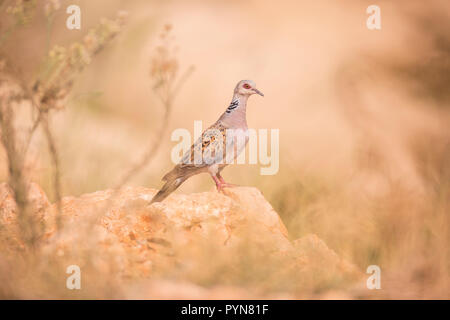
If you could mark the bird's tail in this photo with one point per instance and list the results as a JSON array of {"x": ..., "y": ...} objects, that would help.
[{"x": 172, "y": 183}]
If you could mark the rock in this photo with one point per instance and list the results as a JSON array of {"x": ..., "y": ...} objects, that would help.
[
  {"x": 317, "y": 258},
  {"x": 210, "y": 244},
  {"x": 9, "y": 223},
  {"x": 8, "y": 207},
  {"x": 154, "y": 233}
]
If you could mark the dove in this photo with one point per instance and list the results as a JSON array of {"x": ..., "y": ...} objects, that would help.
[{"x": 217, "y": 146}]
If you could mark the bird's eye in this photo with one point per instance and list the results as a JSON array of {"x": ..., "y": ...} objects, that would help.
[{"x": 247, "y": 86}]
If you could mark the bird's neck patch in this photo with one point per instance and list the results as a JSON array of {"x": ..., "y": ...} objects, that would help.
[{"x": 233, "y": 105}]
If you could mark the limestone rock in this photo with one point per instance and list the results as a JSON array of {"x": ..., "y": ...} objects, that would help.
[
  {"x": 234, "y": 241},
  {"x": 9, "y": 223}
]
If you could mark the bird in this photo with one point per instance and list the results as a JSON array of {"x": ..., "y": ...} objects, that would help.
[{"x": 217, "y": 146}]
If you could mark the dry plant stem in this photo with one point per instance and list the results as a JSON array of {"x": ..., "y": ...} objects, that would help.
[
  {"x": 57, "y": 172},
  {"x": 16, "y": 178},
  {"x": 31, "y": 133},
  {"x": 167, "y": 101},
  {"x": 42, "y": 118},
  {"x": 43, "y": 97},
  {"x": 150, "y": 153}
]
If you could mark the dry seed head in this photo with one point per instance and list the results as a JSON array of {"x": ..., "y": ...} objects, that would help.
[
  {"x": 79, "y": 55},
  {"x": 66, "y": 63},
  {"x": 58, "y": 53},
  {"x": 164, "y": 65},
  {"x": 22, "y": 11}
]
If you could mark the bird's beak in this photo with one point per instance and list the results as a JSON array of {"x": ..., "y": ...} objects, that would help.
[{"x": 258, "y": 92}]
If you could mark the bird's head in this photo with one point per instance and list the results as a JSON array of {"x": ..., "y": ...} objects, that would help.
[{"x": 247, "y": 88}]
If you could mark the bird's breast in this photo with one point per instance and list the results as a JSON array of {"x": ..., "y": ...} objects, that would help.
[{"x": 236, "y": 139}]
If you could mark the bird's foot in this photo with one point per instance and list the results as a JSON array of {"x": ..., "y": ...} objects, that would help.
[
  {"x": 222, "y": 186},
  {"x": 229, "y": 185},
  {"x": 224, "y": 183}
]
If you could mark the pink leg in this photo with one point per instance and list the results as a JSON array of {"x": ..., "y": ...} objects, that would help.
[
  {"x": 223, "y": 183},
  {"x": 221, "y": 178},
  {"x": 218, "y": 182}
]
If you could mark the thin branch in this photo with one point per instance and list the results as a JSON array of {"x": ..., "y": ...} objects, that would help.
[
  {"x": 57, "y": 172},
  {"x": 31, "y": 132},
  {"x": 17, "y": 180},
  {"x": 182, "y": 80}
]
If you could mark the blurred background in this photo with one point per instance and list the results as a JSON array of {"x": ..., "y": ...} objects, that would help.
[{"x": 364, "y": 115}]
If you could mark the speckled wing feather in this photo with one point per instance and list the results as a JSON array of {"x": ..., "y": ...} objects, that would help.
[{"x": 209, "y": 148}]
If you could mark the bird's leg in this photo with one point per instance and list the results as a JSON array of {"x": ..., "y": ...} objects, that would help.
[
  {"x": 218, "y": 182},
  {"x": 223, "y": 183},
  {"x": 220, "y": 178}
]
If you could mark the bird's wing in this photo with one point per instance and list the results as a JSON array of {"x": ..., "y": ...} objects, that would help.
[{"x": 209, "y": 148}]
